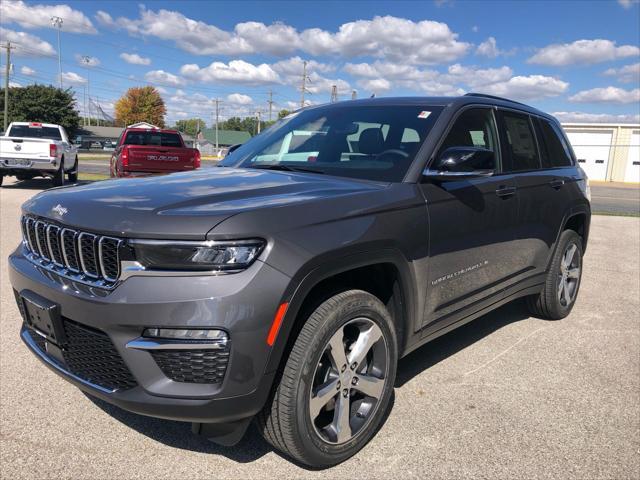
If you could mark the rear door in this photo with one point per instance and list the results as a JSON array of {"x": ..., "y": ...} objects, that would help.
[{"x": 158, "y": 152}]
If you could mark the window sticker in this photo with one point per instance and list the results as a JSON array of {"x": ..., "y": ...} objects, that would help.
[{"x": 424, "y": 114}]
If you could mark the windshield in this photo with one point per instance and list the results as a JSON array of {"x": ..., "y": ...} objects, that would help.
[
  {"x": 368, "y": 142},
  {"x": 30, "y": 131}
]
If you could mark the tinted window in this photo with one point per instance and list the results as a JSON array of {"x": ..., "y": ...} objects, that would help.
[
  {"x": 368, "y": 142},
  {"x": 520, "y": 142},
  {"x": 473, "y": 128},
  {"x": 553, "y": 150},
  {"x": 160, "y": 139},
  {"x": 27, "y": 131}
]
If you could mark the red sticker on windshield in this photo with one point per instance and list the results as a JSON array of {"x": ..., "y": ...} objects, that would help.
[{"x": 424, "y": 114}]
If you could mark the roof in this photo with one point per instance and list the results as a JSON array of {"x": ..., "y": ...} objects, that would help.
[
  {"x": 226, "y": 137},
  {"x": 93, "y": 131}
]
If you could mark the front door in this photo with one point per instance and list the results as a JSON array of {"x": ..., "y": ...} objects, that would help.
[{"x": 471, "y": 227}]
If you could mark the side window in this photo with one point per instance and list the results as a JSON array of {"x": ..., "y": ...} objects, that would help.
[
  {"x": 553, "y": 149},
  {"x": 520, "y": 142},
  {"x": 473, "y": 128}
]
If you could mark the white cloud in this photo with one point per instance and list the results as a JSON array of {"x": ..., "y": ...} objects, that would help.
[
  {"x": 526, "y": 87},
  {"x": 104, "y": 19},
  {"x": 375, "y": 85},
  {"x": 87, "y": 61},
  {"x": 488, "y": 48},
  {"x": 628, "y": 3},
  {"x": 607, "y": 95},
  {"x": 239, "y": 99},
  {"x": 14, "y": 84},
  {"x": 39, "y": 16},
  {"x": 27, "y": 45},
  {"x": 290, "y": 72},
  {"x": 135, "y": 59},
  {"x": 72, "y": 78},
  {"x": 476, "y": 77},
  {"x": 582, "y": 52},
  {"x": 294, "y": 66},
  {"x": 385, "y": 37},
  {"x": 578, "y": 117},
  {"x": 626, "y": 74},
  {"x": 236, "y": 71},
  {"x": 27, "y": 71},
  {"x": 164, "y": 78}
]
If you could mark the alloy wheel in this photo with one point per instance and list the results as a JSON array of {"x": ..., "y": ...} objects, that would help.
[
  {"x": 349, "y": 381},
  {"x": 569, "y": 275}
]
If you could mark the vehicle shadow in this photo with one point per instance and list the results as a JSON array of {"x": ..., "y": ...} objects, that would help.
[
  {"x": 462, "y": 337},
  {"x": 253, "y": 446},
  {"x": 35, "y": 184}
]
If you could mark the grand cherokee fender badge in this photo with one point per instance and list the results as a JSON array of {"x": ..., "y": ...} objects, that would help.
[
  {"x": 59, "y": 209},
  {"x": 471, "y": 268}
]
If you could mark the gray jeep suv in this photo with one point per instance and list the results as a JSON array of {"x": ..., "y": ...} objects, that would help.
[{"x": 285, "y": 284}]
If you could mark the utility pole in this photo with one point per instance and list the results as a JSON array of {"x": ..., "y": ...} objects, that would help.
[
  {"x": 7, "y": 71},
  {"x": 258, "y": 117},
  {"x": 217, "y": 120},
  {"x": 353, "y": 94},
  {"x": 270, "y": 102},
  {"x": 56, "y": 22},
  {"x": 334, "y": 94},
  {"x": 87, "y": 60},
  {"x": 305, "y": 79}
]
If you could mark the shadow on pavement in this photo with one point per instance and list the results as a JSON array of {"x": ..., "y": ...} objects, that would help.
[{"x": 36, "y": 184}]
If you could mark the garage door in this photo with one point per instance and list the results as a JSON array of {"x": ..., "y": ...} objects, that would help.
[
  {"x": 592, "y": 149},
  {"x": 632, "y": 172}
]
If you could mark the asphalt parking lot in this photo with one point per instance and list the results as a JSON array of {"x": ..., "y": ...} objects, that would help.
[{"x": 507, "y": 396}]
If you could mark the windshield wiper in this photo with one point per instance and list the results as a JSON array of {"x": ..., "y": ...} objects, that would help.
[{"x": 286, "y": 168}]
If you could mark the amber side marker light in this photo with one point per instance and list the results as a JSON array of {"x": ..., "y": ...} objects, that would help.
[{"x": 277, "y": 321}]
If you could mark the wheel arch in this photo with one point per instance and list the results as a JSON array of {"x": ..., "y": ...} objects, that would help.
[{"x": 307, "y": 290}]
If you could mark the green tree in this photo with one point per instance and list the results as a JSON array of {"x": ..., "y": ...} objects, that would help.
[
  {"x": 283, "y": 113},
  {"x": 40, "y": 103},
  {"x": 190, "y": 126},
  {"x": 233, "y": 123},
  {"x": 140, "y": 104}
]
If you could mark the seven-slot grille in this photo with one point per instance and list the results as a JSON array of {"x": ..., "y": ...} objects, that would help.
[{"x": 80, "y": 255}]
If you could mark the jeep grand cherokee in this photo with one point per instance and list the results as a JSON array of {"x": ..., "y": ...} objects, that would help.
[{"x": 286, "y": 284}]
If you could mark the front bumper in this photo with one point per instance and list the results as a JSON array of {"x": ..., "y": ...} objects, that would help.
[{"x": 241, "y": 304}]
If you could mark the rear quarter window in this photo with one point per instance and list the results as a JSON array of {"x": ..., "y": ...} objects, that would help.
[{"x": 554, "y": 152}]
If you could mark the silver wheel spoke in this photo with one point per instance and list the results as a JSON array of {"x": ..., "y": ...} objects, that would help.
[
  {"x": 322, "y": 396},
  {"x": 363, "y": 344},
  {"x": 369, "y": 385},
  {"x": 341, "y": 423},
  {"x": 336, "y": 352},
  {"x": 565, "y": 292},
  {"x": 573, "y": 272},
  {"x": 569, "y": 255},
  {"x": 560, "y": 289}
]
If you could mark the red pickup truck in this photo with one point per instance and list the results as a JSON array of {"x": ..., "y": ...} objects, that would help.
[{"x": 142, "y": 151}]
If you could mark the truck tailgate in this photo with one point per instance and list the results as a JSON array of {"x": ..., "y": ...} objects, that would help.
[
  {"x": 160, "y": 159},
  {"x": 16, "y": 147}
]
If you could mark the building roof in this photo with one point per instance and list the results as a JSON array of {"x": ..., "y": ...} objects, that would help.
[
  {"x": 226, "y": 137},
  {"x": 93, "y": 131}
]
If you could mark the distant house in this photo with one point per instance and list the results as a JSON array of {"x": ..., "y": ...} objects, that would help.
[
  {"x": 226, "y": 138},
  {"x": 104, "y": 138}
]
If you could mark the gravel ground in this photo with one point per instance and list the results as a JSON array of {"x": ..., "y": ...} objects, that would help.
[{"x": 506, "y": 396}]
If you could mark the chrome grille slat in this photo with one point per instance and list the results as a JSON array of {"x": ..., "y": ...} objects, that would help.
[{"x": 81, "y": 256}]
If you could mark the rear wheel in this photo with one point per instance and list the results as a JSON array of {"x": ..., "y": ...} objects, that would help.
[
  {"x": 58, "y": 178},
  {"x": 563, "y": 280},
  {"x": 1, "y": 178},
  {"x": 337, "y": 382},
  {"x": 72, "y": 175}
]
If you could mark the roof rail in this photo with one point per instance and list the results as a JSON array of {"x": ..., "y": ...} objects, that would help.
[{"x": 494, "y": 97}]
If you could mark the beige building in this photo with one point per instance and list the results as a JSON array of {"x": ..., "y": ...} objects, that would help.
[{"x": 607, "y": 152}]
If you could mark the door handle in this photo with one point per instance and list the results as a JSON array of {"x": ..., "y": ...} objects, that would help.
[
  {"x": 505, "y": 191},
  {"x": 556, "y": 183}
]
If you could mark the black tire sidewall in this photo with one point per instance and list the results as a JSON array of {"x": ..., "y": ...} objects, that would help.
[
  {"x": 360, "y": 304},
  {"x": 73, "y": 173},
  {"x": 58, "y": 179},
  {"x": 568, "y": 237}
]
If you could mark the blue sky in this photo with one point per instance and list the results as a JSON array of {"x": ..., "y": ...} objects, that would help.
[{"x": 579, "y": 60}]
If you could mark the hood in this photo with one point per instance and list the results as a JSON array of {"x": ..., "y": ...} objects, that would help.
[{"x": 182, "y": 205}]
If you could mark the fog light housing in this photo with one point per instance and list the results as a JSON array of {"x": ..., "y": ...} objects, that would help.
[{"x": 186, "y": 334}]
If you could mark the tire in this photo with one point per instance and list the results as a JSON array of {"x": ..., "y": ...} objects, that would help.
[
  {"x": 1, "y": 179},
  {"x": 58, "y": 178},
  {"x": 287, "y": 422},
  {"x": 72, "y": 175},
  {"x": 553, "y": 303}
]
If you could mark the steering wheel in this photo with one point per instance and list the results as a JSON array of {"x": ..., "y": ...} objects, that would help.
[{"x": 393, "y": 151}]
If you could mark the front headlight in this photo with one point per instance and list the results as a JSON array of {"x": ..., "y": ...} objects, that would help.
[{"x": 196, "y": 256}]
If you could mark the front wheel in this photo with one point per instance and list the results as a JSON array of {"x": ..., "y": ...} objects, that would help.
[
  {"x": 58, "y": 178},
  {"x": 563, "y": 280},
  {"x": 337, "y": 382}
]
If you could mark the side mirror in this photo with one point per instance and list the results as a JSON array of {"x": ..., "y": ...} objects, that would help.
[
  {"x": 233, "y": 147},
  {"x": 462, "y": 162}
]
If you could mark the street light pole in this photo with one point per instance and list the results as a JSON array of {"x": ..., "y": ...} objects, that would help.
[
  {"x": 57, "y": 23},
  {"x": 87, "y": 61}
]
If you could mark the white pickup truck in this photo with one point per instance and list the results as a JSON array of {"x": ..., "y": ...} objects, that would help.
[{"x": 31, "y": 149}]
